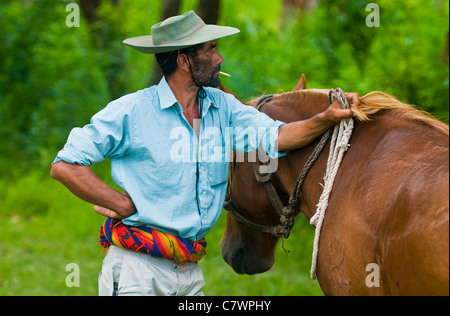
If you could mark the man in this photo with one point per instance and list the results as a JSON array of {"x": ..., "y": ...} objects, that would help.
[{"x": 168, "y": 146}]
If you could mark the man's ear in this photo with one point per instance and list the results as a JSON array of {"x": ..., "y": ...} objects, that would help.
[{"x": 183, "y": 62}]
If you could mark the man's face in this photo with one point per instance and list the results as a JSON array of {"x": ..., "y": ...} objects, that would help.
[{"x": 206, "y": 66}]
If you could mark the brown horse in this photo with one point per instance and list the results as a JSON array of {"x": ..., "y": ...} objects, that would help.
[{"x": 386, "y": 229}]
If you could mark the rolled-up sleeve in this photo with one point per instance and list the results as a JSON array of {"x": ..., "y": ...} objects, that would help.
[
  {"x": 253, "y": 129},
  {"x": 107, "y": 136}
]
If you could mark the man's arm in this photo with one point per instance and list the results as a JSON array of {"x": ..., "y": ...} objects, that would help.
[
  {"x": 300, "y": 134},
  {"x": 86, "y": 185}
]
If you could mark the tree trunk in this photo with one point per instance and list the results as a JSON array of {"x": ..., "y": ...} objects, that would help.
[
  {"x": 209, "y": 10},
  {"x": 444, "y": 56},
  {"x": 89, "y": 8},
  {"x": 295, "y": 7},
  {"x": 170, "y": 8}
]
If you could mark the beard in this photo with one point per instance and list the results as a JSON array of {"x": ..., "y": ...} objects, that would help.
[{"x": 205, "y": 75}]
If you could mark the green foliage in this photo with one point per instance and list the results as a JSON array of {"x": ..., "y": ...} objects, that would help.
[
  {"x": 49, "y": 80},
  {"x": 44, "y": 229},
  {"x": 53, "y": 78},
  {"x": 333, "y": 46}
]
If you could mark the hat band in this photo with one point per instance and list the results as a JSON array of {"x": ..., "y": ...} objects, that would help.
[{"x": 180, "y": 36}]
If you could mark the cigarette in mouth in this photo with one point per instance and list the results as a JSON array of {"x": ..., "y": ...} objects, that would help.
[{"x": 224, "y": 73}]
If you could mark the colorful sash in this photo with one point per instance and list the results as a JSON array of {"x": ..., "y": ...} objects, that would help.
[{"x": 149, "y": 241}]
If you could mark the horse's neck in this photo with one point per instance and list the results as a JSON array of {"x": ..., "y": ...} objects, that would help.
[
  {"x": 289, "y": 170},
  {"x": 290, "y": 110},
  {"x": 294, "y": 107}
]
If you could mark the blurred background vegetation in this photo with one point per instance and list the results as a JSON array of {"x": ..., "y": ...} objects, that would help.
[{"x": 53, "y": 78}]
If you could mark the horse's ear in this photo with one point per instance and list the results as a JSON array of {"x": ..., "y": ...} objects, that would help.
[{"x": 301, "y": 85}]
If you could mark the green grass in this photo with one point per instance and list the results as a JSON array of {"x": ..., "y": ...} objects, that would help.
[{"x": 43, "y": 228}]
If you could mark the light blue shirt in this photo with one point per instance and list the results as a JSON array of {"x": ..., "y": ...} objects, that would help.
[{"x": 176, "y": 179}]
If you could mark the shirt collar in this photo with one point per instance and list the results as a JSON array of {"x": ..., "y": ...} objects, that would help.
[{"x": 167, "y": 98}]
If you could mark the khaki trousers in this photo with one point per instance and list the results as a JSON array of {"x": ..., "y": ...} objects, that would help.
[{"x": 126, "y": 272}]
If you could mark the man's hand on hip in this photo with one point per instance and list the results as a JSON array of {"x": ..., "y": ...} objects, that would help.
[{"x": 112, "y": 214}]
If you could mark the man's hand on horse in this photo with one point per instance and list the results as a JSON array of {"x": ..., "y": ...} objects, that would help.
[
  {"x": 334, "y": 113},
  {"x": 353, "y": 98}
]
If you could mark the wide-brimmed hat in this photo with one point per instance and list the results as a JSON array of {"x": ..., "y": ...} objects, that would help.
[{"x": 179, "y": 32}]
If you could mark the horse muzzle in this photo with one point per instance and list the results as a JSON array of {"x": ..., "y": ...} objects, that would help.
[{"x": 246, "y": 262}]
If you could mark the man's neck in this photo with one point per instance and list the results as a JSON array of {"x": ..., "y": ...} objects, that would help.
[{"x": 185, "y": 91}]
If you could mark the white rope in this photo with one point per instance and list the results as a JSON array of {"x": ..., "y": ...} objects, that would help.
[{"x": 339, "y": 145}]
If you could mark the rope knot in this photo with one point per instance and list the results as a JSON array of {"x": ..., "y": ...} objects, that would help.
[{"x": 343, "y": 145}]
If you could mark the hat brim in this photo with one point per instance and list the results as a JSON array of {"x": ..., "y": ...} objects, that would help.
[{"x": 207, "y": 33}]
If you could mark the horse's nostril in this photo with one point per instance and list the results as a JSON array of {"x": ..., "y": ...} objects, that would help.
[
  {"x": 236, "y": 261},
  {"x": 239, "y": 255}
]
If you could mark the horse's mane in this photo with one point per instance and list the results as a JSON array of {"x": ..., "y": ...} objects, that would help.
[
  {"x": 376, "y": 101},
  {"x": 370, "y": 104}
]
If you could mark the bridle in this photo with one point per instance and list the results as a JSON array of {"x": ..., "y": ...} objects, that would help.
[{"x": 286, "y": 213}]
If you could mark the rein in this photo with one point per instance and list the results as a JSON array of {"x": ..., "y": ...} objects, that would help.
[{"x": 287, "y": 213}]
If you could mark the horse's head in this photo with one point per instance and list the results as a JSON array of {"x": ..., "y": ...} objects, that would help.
[
  {"x": 244, "y": 248},
  {"x": 247, "y": 250}
]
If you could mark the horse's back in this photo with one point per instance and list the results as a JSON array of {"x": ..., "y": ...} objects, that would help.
[
  {"x": 417, "y": 229},
  {"x": 392, "y": 195}
]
